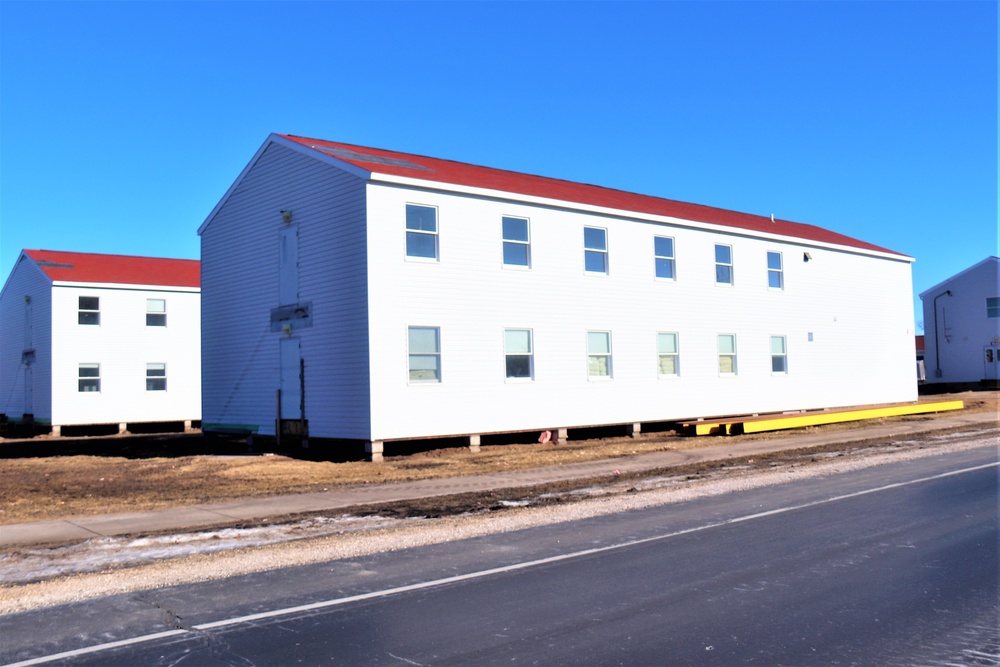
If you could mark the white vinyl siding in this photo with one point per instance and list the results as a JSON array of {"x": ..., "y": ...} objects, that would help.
[{"x": 240, "y": 269}]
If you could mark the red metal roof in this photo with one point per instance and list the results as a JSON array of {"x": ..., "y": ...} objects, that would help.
[
  {"x": 459, "y": 173},
  {"x": 84, "y": 267}
]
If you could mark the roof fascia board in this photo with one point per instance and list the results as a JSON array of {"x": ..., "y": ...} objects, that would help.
[
  {"x": 318, "y": 154},
  {"x": 626, "y": 214},
  {"x": 126, "y": 286},
  {"x": 17, "y": 265},
  {"x": 285, "y": 143},
  {"x": 958, "y": 275}
]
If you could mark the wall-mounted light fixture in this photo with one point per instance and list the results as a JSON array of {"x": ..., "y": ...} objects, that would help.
[{"x": 286, "y": 216}]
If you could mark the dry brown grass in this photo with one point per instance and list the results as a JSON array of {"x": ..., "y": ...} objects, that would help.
[{"x": 36, "y": 489}]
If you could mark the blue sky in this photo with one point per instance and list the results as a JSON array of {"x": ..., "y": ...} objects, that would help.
[{"x": 122, "y": 124}]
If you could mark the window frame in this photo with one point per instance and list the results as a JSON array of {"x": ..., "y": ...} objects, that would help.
[
  {"x": 675, "y": 355},
  {"x": 411, "y": 355},
  {"x": 415, "y": 233},
  {"x": 160, "y": 380},
  {"x": 729, "y": 355},
  {"x": 515, "y": 243},
  {"x": 155, "y": 314},
  {"x": 727, "y": 265},
  {"x": 778, "y": 272},
  {"x": 783, "y": 355},
  {"x": 530, "y": 354},
  {"x": 589, "y": 252},
  {"x": 592, "y": 356},
  {"x": 87, "y": 313},
  {"x": 88, "y": 378},
  {"x": 993, "y": 308},
  {"x": 671, "y": 259}
]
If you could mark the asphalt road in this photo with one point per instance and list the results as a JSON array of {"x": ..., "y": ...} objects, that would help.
[{"x": 893, "y": 565}]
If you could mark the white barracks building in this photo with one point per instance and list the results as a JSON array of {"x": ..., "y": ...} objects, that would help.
[
  {"x": 393, "y": 296},
  {"x": 88, "y": 339}
]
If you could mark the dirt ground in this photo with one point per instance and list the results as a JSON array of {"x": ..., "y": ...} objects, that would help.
[{"x": 52, "y": 487}]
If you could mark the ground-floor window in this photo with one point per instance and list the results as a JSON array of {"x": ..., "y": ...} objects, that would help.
[
  {"x": 779, "y": 357},
  {"x": 89, "y": 377},
  {"x": 599, "y": 354},
  {"x": 727, "y": 354},
  {"x": 669, "y": 356},
  {"x": 156, "y": 377},
  {"x": 425, "y": 354},
  {"x": 518, "y": 356}
]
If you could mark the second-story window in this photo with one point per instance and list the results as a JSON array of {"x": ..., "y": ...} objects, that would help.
[
  {"x": 663, "y": 249},
  {"x": 89, "y": 310},
  {"x": 595, "y": 250},
  {"x": 421, "y": 231},
  {"x": 723, "y": 265},
  {"x": 775, "y": 273},
  {"x": 156, "y": 312},
  {"x": 516, "y": 243}
]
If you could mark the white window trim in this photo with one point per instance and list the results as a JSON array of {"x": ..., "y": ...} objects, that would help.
[
  {"x": 772, "y": 354},
  {"x": 436, "y": 259},
  {"x": 157, "y": 377},
  {"x": 676, "y": 355},
  {"x": 440, "y": 366},
  {"x": 780, "y": 272},
  {"x": 606, "y": 252},
  {"x": 673, "y": 259},
  {"x": 610, "y": 355},
  {"x": 527, "y": 244},
  {"x": 80, "y": 311},
  {"x": 731, "y": 265},
  {"x": 150, "y": 312},
  {"x": 100, "y": 386},
  {"x": 531, "y": 356},
  {"x": 734, "y": 355}
]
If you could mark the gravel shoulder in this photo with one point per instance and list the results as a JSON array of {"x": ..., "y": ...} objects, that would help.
[{"x": 39, "y": 577}]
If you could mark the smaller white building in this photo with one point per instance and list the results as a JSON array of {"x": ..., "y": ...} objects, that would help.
[
  {"x": 962, "y": 326},
  {"x": 91, "y": 339}
]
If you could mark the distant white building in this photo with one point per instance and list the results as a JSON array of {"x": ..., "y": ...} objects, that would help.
[
  {"x": 100, "y": 339},
  {"x": 962, "y": 326},
  {"x": 392, "y": 296}
]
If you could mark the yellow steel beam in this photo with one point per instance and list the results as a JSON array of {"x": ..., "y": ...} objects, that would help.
[
  {"x": 815, "y": 419},
  {"x": 778, "y": 422}
]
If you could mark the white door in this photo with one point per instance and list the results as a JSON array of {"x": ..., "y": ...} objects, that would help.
[
  {"x": 291, "y": 378},
  {"x": 992, "y": 361}
]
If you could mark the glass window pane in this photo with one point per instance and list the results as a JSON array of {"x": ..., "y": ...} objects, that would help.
[
  {"x": 992, "y": 307},
  {"x": 774, "y": 279},
  {"x": 423, "y": 218},
  {"x": 423, "y": 340},
  {"x": 595, "y": 239},
  {"x": 90, "y": 370},
  {"x": 777, "y": 344},
  {"x": 727, "y": 344},
  {"x": 723, "y": 274},
  {"x": 777, "y": 364},
  {"x": 515, "y": 253},
  {"x": 424, "y": 367},
  {"x": 598, "y": 342},
  {"x": 89, "y": 318},
  {"x": 515, "y": 229},
  {"x": 727, "y": 364},
  {"x": 595, "y": 262},
  {"x": 156, "y": 370},
  {"x": 518, "y": 366},
  {"x": 664, "y": 246},
  {"x": 664, "y": 268},
  {"x": 723, "y": 254},
  {"x": 156, "y": 319},
  {"x": 774, "y": 260},
  {"x": 421, "y": 245},
  {"x": 667, "y": 343},
  {"x": 156, "y": 306},
  {"x": 89, "y": 303},
  {"x": 599, "y": 366},
  {"x": 517, "y": 341},
  {"x": 668, "y": 365}
]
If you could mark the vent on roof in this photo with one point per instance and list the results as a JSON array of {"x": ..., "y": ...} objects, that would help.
[
  {"x": 53, "y": 265},
  {"x": 348, "y": 154}
]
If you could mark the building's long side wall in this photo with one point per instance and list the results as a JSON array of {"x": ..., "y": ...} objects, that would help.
[
  {"x": 240, "y": 287},
  {"x": 847, "y": 320},
  {"x": 26, "y": 281},
  {"x": 963, "y": 328},
  {"x": 122, "y": 345}
]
